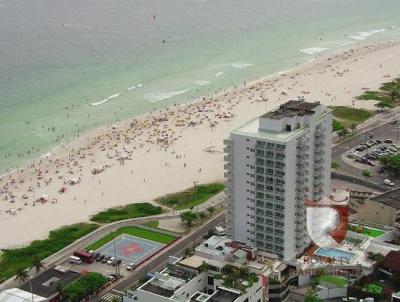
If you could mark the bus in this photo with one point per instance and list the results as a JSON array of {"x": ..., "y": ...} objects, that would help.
[
  {"x": 84, "y": 256},
  {"x": 74, "y": 259}
]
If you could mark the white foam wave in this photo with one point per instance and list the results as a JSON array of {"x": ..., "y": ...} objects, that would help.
[
  {"x": 362, "y": 35},
  {"x": 202, "y": 83},
  {"x": 219, "y": 73},
  {"x": 139, "y": 85},
  {"x": 241, "y": 65},
  {"x": 161, "y": 96},
  {"x": 131, "y": 88},
  {"x": 106, "y": 99},
  {"x": 313, "y": 50}
]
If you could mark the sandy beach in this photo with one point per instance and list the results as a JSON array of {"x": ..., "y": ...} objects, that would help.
[{"x": 166, "y": 151}]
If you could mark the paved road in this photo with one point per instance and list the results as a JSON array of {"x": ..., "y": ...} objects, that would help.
[
  {"x": 382, "y": 132},
  {"x": 158, "y": 261}
]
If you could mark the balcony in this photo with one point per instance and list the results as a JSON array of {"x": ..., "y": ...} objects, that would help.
[{"x": 227, "y": 166}]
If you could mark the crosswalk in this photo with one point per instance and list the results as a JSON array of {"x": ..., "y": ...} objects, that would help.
[{"x": 111, "y": 297}]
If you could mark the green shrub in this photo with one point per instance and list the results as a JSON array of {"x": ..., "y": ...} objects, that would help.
[
  {"x": 135, "y": 210},
  {"x": 21, "y": 258}
]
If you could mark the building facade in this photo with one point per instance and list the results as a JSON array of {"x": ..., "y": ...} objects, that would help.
[{"x": 271, "y": 163}]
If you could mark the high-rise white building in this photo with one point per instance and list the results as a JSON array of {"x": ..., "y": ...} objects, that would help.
[{"x": 271, "y": 163}]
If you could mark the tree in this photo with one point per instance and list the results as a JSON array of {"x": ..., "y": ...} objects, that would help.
[
  {"x": 203, "y": 267},
  {"x": 202, "y": 216},
  {"x": 366, "y": 173},
  {"x": 353, "y": 127},
  {"x": 211, "y": 210},
  {"x": 343, "y": 132},
  {"x": 37, "y": 264},
  {"x": 188, "y": 218},
  {"x": 60, "y": 290},
  {"x": 311, "y": 296},
  {"x": 22, "y": 275},
  {"x": 188, "y": 252}
]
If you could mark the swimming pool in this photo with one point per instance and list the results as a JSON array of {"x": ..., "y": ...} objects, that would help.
[{"x": 334, "y": 253}]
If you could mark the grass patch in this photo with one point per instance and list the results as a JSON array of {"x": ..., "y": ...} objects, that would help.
[
  {"x": 152, "y": 224},
  {"x": 366, "y": 231},
  {"x": 21, "y": 258},
  {"x": 190, "y": 198},
  {"x": 388, "y": 94},
  {"x": 135, "y": 210},
  {"x": 336, "y": 125},
  {"x": 335, "y": 165},
  {"x": 373, "y": 288},
  {"x": 344, "y": 117},
  {"x": 333, "y": 280},
  {"x": 134, "y": 231}
]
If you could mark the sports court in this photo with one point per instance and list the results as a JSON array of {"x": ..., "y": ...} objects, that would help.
[{"x": 130, "y": 249}]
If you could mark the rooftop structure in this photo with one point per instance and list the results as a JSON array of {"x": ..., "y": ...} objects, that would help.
[
  {"x": 45, "y": 284},
  {"x": 292, "y": 109}
]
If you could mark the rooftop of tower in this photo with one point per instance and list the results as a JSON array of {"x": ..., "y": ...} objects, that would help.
[{"x": 292, "y": 108}]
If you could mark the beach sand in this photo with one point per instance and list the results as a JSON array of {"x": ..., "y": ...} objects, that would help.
[{"x": 166, "y": 151}]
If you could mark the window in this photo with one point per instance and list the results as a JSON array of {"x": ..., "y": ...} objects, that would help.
[{"x": 210, "y": 280}]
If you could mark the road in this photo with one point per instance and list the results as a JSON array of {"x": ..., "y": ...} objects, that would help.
[
  {"x": 382, "y": 132},
  {"x": 158, "y": 261}
]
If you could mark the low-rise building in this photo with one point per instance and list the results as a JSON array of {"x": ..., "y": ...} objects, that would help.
[
  {"x": 381, "y": 210},
  {"x": 47, "y": 283},
  {"x": 19, "y": 295},
  {"x": 194, "y": 279}
]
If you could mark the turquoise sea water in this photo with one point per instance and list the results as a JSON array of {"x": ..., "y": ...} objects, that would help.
[{"x": 70, "y": 65}]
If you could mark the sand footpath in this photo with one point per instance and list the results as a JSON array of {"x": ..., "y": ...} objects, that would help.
[{"x": 166, "y": 151}]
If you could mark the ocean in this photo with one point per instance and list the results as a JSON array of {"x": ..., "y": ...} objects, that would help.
[{"x": 67, "y": 66}]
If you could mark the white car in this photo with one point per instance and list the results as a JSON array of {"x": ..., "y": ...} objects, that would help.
[
  {"x": 111, "y": 260},
  {"x": 388, "y": 182},
  {"x": 131, "y": 266}
]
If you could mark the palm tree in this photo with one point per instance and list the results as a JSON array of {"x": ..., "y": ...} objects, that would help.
[
  {"x": 202, "y": 216},
  {"x": 37, "y": 264},
  {"x": 60, "y": 289},
  {"x": 211, "y": 210},
  {"x": 22, "y": 275}
]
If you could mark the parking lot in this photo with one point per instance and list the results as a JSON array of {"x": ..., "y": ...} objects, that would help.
[
  {"x": 124, "y": 252},
  {"x": 362, "y": 152}
]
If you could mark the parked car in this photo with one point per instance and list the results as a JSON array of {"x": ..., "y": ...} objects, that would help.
[
  {"x": 117, "y": 262},
  {"x": 131, "y": 266},
  {"x": 111, "y": 260},
  {"x": 100, "y": 258},
  {"x": 388, "y": 182},
  {"x": 105, "y": 259},
  {"x": 388, "y": 141}
]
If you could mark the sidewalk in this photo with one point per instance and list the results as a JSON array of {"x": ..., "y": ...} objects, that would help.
[{"x": 102, "y": 231}]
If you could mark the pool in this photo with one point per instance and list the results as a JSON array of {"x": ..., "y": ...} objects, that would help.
[{"x": 334, "y": 254}]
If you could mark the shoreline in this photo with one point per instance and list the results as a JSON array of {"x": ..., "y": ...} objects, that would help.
[
  {"x": 171, "y": 147},
  {"x": 57, "y": 150}
]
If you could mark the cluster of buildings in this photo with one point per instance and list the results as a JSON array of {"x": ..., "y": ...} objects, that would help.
[
  {"x": 287, "y": 231},
  {"x": 284, "y": 223}
]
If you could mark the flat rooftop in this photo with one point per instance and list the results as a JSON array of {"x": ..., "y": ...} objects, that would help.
[
  {"x": 251, "y": 128},
  {"x": 163, "y": 285},
  {"x": 292, "y": 108},
  {"x": 223, "y": 295},
  {"x": 391, "y": 198},
  {"x": 45, "y": 284}
]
